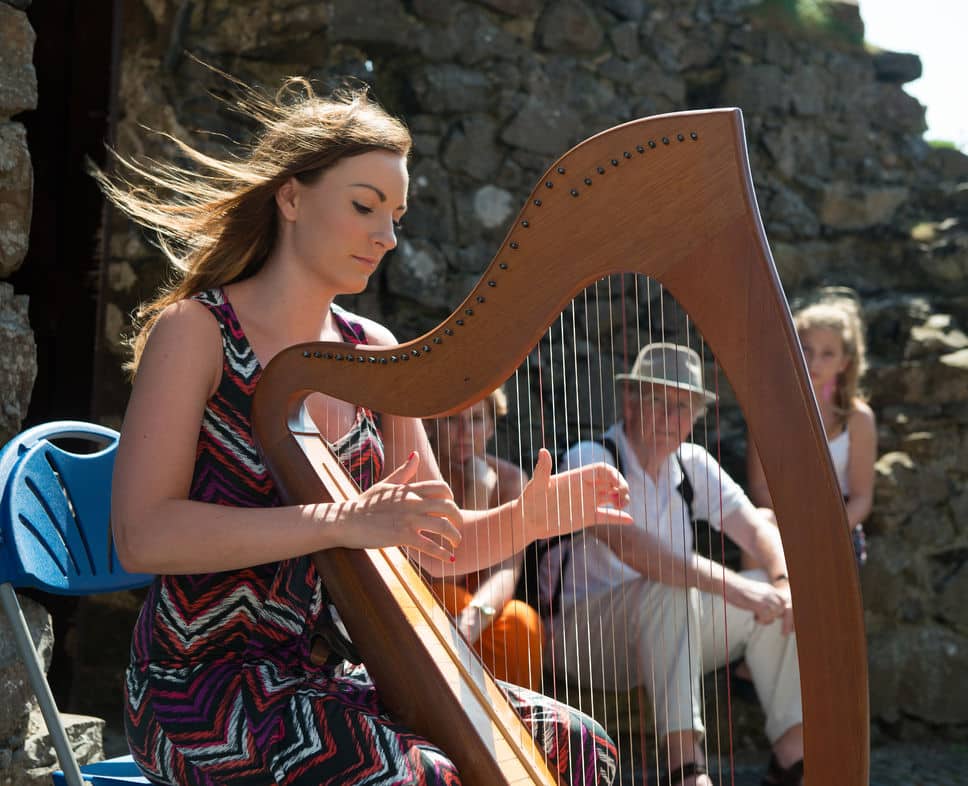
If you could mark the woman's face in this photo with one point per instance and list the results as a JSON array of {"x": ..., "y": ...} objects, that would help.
[
  {"x": 340, "y": 226},
  {"x": 459, "y": 437},
  {"x": 823, "y": 350}
]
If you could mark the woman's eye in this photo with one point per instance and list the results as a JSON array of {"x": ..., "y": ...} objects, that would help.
[{"x": 362, "y": 209}]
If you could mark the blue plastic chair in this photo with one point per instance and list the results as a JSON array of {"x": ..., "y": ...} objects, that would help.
[{"x": 55, "y": 536}]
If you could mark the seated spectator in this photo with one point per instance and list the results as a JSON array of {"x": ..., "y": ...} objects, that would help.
[
  {"x": 640, "y": 607},
  {"x": 832, "y": 336},
  {"x": 505, "y": 632}
]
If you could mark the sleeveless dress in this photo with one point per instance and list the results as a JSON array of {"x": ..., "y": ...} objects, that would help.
[
  {"x": 221, "y": 689},
  {"x": 840, "y": 455}
]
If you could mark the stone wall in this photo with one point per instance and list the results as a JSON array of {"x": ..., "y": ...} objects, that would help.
[
  {"x": 18, "y": 93},
  {"x": 495, "y": 90}
]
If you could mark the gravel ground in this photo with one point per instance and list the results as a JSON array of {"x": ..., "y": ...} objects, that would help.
[{"x": 897, "y": 765}]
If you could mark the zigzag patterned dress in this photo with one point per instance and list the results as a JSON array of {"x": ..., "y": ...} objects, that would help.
[{"x": 221, "y": 688}]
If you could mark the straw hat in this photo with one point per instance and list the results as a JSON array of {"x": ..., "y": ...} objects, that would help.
[{"x": 672, "y": 365}]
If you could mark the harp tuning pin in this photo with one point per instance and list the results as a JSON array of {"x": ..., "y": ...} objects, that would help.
[
  {"x": 371, "y": 359},
  {"x": 503, "y": 265},
  {"x": 627, "y": 154},
  {"x": 574, "y": 192},
  {"x": 415, "y": 353},
  {"x": 426, "y": 348},
  {"x": 537, "y": 203},
  {"x": 448, "y": 332},
  {"x": 652, "y": 143},
  {"x": 525, "y": 223},
  {"x": 491, "y": 284},
  {"x": 680, "y": 137},
  {"x": 514, "y": 244},
  {"x": 588, "y": 181},
  {"x": 665, "y": 140},
  {"x": 338, "y": 356},
  {"x": 460, "y": 323},
  {"x": 306, "y": 354},
  {"x": 469, "y": 312},
  {"x": 549, "y": 184},
  {"x": 561, "y": 170},
  {"x": 614, "y": 162},
  {"x": 600, "y": 170},
  {"x": 694, "y": 136},
  {"x": 639, "y": 149},
  {"x": 438, "y": 340}
]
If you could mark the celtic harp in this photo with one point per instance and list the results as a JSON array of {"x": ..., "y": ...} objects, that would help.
[{"x": 669, "y": 197}]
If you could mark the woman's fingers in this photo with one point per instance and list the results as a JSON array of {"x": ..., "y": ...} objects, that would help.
[
  {"x": 405, "y": 471},
  {"x": 610, "y": 515},
  {"x": 542, "y": 469}
]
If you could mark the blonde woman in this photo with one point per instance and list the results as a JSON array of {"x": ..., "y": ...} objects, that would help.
[{"x": 831, "y": 333}]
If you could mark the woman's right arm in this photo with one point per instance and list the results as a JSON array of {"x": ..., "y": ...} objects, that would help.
[{"x": 157, "y": 529}]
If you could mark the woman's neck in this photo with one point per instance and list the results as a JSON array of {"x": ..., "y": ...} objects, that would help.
[{"x": 291, "y": 311}]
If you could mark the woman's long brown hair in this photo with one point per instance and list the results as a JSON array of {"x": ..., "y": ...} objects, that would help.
[{"x": 217, "y": 224}]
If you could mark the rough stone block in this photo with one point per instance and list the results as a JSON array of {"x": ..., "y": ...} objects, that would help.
[
  {"x": 16, "y": 196},
  {"x": 18, "y": 361},
  {"x": 18, "y": 79}
]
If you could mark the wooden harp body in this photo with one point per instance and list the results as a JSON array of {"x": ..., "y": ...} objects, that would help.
[{"x": 670, "y": 197}]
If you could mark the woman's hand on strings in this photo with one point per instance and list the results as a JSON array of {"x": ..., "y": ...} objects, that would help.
[
  {"x": 559, "y": 504},
  {"x": 401, "y": 511}
]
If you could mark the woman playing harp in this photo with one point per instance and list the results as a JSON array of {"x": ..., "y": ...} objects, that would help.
[{"x": 236, "y": 673}]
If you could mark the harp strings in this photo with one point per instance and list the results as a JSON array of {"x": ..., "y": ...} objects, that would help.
[{"x": 563, "y": 393}]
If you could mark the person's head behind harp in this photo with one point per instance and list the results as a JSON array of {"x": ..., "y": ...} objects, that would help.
[
  {"x": 218, "y": 224},
  {"x": 664, "y": 393},
  {"x": 837, "y": 310}
]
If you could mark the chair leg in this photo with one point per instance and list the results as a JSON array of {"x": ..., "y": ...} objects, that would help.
[{"x": 38, "y": 681}]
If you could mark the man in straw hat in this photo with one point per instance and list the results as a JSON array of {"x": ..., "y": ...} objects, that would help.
[{"x": 641, "y": 608}]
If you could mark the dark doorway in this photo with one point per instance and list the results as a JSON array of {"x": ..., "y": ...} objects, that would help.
[{"x": 73, "y": 60}]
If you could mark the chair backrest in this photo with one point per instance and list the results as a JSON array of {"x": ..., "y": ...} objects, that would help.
[{"x": 55, "y": 525}]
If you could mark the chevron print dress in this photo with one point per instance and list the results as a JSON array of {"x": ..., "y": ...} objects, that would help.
[{"x": 221, "y": 689}]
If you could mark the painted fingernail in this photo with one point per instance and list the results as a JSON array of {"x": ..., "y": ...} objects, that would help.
[
  {"x": 412, "y": 454},
  {"x": 453, "y": 558}
]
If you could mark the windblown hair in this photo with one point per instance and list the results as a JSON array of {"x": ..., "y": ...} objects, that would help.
[
  {"x": 838, "y": 309},
  {"x": 218, "y": 224}
]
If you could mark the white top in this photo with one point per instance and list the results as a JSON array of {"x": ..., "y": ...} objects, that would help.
[
  {"x": 840, "y": 452},
  {"x": 657, "y": 506}
]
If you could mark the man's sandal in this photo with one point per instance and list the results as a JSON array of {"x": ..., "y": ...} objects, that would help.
[
  {"x": 687, "y": 770},
  {"x": 779, "y": 776}
]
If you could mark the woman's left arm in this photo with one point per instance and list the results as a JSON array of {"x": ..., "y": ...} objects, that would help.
[{"x": 860, "y": 462}]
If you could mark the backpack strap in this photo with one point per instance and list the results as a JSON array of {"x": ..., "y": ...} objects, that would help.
[{"x": 685, "y": 489}]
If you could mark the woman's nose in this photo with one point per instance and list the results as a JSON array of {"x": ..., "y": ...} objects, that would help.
[{"x": 387, "y": 238}]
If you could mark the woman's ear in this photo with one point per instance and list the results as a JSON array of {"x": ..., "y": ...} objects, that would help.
[{"x": 287, "y": 199}]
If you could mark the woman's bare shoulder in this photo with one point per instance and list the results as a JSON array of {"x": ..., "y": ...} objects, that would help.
[
  {"x": 860, "y": 415},
  {"x": 376, "y": 333}
]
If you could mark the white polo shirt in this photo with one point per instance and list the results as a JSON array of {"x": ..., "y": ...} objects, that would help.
[{"x": 657, "y": 507}]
